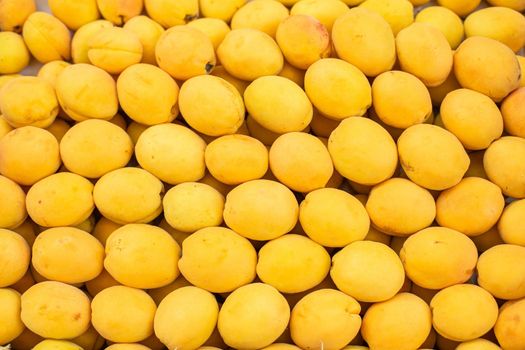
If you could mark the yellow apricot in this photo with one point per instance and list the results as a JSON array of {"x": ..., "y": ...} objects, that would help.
[
  {"x": 147, "y": 94},
  {"x": 362, "y": 151},
  {"x": 186, "y": 318},
  {"x": 142, "y": 256},
  {"x": 37, "y": 147},
  {"x": 62, "y": 199},
  {"x": 261, "y": 217},
  {"x": 301, "y": 161},
  {"x": 14, "y": 13},
  {"x": 322, "y": 126},
  {"x": 263, "y": 15},
  {"x": 60, "y": 254},
  {"x": 239, "y": 84},
  {"x": 381, "y": 278},
  {"x": 90, "y": 340},
  {"x": 400, "y": 99},
  {"x": 327, "y": 317},
  {"x": 101, "y": 282},
  {"x": 216, "y": 29},
  {"x": 464, "y": 110},
  {"x": 128, "y": 346},
  {"x": 158, "y": 294},
  {"x": 400, "y": 207},
  {"x": 134, "y": 130},
  {"x": 211, "y": 105},
  {"x": 446, "y": 21},
  {"x": 438, "y": 93},
  {"x": 463, "y": 312},
  {"x": 278, "y": 104},
  {"x": 256, "y": 130},
  {"x": 333, "y": 218},
  {"x": 476, "y": 165},
  {"x": 74, "y": 14},
  {"x": 494, "y": 65},
  {"x": 52, "y": 344},
  {"x": 46, "y": 37},
  {"x": 15, "y": 256},
  {"x": 438, "y": 257},
  {"x": 375, "y": 235},
  {"x": 169, "y": 13},
  {"x": 513, "y": 113},
  {"x": 148, "y": 31},
  {"x": 398, "y": 13},
  {"x": 309, "y": 267},
  {"x": 55, "y": 310},
  {"x": 11, "y": 323},
  {"x": 363, "y": 38},
  {"x": 234, "y": 159},
  {"x": 400, "y": 323},
  {"x": 510, "y": 224},
  {"x": 5, "y": 128},
  {"x": 59, "y": 128},
  {"x": 185, "y": 52},
  {"x": 518, "y": 5},
  {"x": 337, "y": 89},
  {"x": 501, "y": 271},
  {"x": 223, "y": 10},
  {"x": 218, "y": 259},
  {"x": 128, "y": 320},
  {"x": 500, "y": 23},
  {"x": 253, "y": 316},
  {"x": 249, "y": 54},
  {"x": 94, "y": 147},
  {"x": 424, "y": 51},
  {"x": 87, "y": 225},
  {"x": 510, "y": 326},
  {"x": 191, "y": 206},
  {"x": 472, "y": 207},
  {"x": 129, "y": 195},
  {"x": 223, "y": 188},
  {"x": 12, "y": 206},
  {"x": 98, "y": 99},
  {"x": 28, "y": 101},
  {"x": 437, "y": 163},
  {"x": 279, "y": 346},
  {"x": 293, "y": 73},
  {"x": 504, "y": 163},
  {"x": 114, "y": 49},
  {"x": 325, "y": 11},
  {"x": 51, "y": 70},
  {"x": 119, "y": 12},
  {"x": 28, "y": 230},
  {"x": 460, "y": 7},
  {"x": 171, "y": 152},
  {"x": 82, "y": 39},
  {"x": 288, "y": 3},
  {"x": 14, "y": 56},
  {"x": 303, "y": 40}
]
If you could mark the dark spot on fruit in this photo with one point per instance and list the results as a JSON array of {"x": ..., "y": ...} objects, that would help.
[
  {"x": 209, "y": 67},
  {"x": 189, "y": 17},
  {"x": 76, "y": 316}
]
